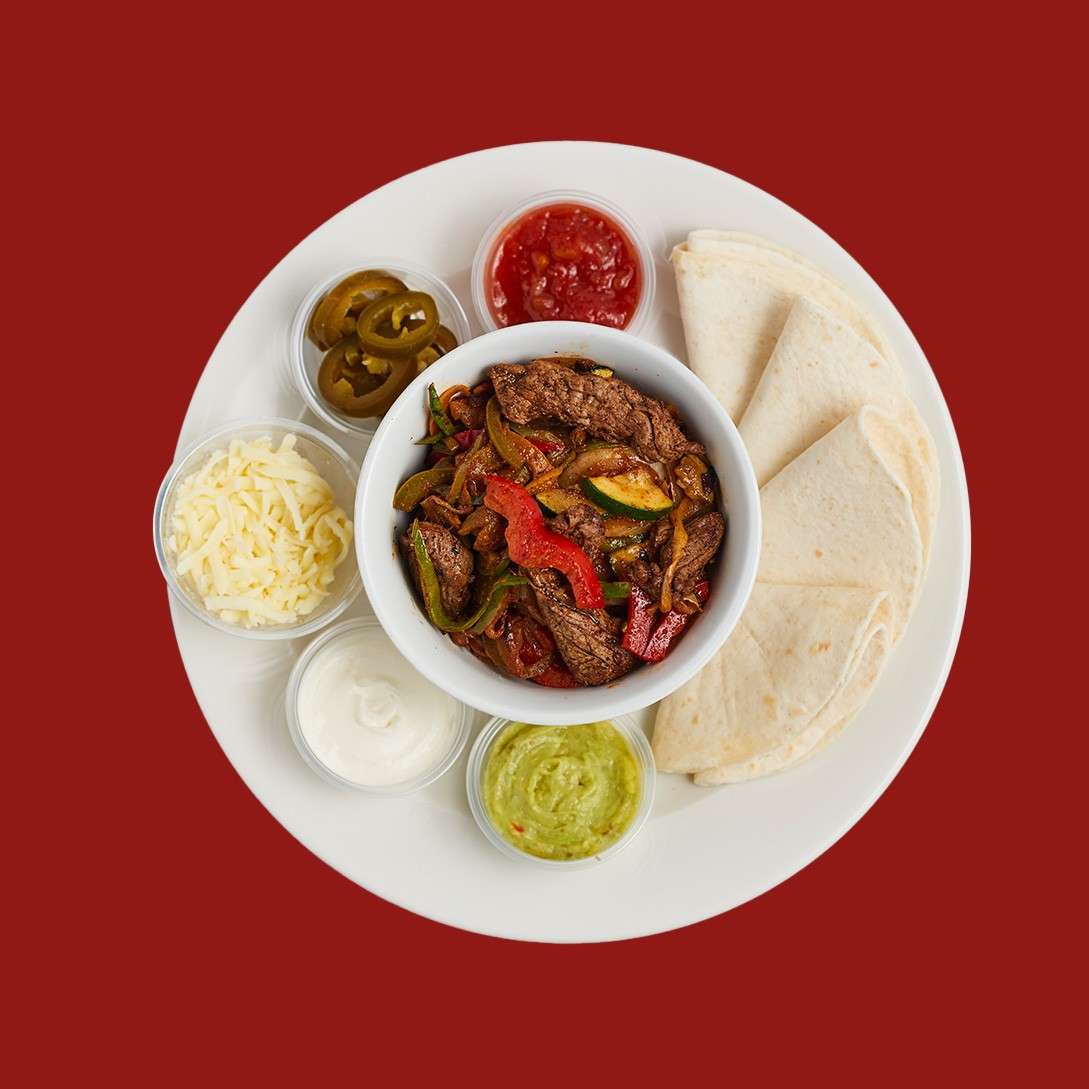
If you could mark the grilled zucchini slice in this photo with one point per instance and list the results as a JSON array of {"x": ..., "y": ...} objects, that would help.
[{"x": 632, "y": 495}]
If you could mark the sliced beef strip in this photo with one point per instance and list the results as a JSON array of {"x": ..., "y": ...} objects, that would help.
[
  {"x": 647, "y": 575},
  {"x": 705, "y": 534},
  {"x": 578, "y": 363},
  {"x": 453, "y": 564},
  {"x": 643, "y": 572},
  {"x": 527, "y": 603},
  {"x": 436, "y": 509},
  {"x": 607, "y": 407},
  {"x": 585, "y": 526},
  {"x": 659, "y": 534},
  {"x": 588, "y": 639},
  {"x": 468, "y": 410}
]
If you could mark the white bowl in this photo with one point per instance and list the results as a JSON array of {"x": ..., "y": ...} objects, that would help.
[{"x": 392, "y": 457}]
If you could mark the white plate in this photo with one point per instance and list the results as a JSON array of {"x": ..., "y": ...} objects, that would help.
[{"x": 703, "y": 851}]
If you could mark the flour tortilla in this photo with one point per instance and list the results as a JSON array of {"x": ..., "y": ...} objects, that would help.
[
  {"x": 848, "y": 511},
  {"x": 735, "y": 293},
  {"x": 799, "y": 664},
  {"x": 819, "y": 373}
]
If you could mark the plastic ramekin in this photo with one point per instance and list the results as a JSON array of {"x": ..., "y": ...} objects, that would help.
[
  {"x": 332, "y": 462},
  {"x": 485, "y": 252},
  {"x": 464, "y": 723},
  {"x": 304, "y": 358},
  {"x": 474, "y": 779}
]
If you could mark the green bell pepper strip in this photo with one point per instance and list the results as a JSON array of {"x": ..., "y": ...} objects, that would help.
[
  {"x": 432, "y": 592},
  {"x": 500, "y": 435},
  {"x": 484, "y": 616},
  {"x": 420, "y": 485},
  {"x": 516, "y": 451},
  {"x": 438, "y": 413},
  {"x": 616, "y": 591}
]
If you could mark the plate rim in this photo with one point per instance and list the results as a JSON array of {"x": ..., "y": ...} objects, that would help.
[{"x": 962, "y": 510}]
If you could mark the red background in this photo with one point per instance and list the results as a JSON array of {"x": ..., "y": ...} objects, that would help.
[{"x": 163, "y": 922}]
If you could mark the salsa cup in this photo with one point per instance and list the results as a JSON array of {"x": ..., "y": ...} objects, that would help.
[
  {"x": 304, "y": 358},
  {"x": 332, "y": 462},
  {"x": 392, "y": 456},
  {"x": 485, "y": 251},
  {"x": 628, "y": 729}
]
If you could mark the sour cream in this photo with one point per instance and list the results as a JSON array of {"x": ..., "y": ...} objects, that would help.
[{"x": 368, "y": 716}]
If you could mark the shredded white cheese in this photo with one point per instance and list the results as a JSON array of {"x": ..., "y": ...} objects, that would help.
[{"x": 257, "y": 533}]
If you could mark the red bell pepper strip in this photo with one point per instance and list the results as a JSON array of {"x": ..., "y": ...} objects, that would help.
[
  {"x": 641, "y": 611},
  {"x": 665, "y": 635},
  {"x": 537, "y": 642},
  {"x": 532, "y": 544},
  {"x": 546, "y": 446},
  {"x": 669, "y": 630},
  {"x": 556, "y": 676},
  {"x": 466, "y": 438}
]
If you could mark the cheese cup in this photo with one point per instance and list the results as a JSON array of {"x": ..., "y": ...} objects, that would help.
[{"x": 331, "y": 462}]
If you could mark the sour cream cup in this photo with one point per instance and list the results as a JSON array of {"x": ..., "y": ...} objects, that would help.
[
  {"x": 637, "y": 741},
  {"x": 463, "y": 719},
  {"x": 485, "y": 252},
  {"x": 304, "y": 358}
]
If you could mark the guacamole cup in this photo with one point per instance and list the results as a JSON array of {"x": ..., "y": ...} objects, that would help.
[{"x": 616, "y": 770}]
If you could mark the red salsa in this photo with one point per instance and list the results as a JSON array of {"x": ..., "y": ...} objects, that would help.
[{"x": 564, "y": 262}]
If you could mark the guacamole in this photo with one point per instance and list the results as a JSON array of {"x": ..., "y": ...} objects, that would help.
[{"x": 561, "y": 792}]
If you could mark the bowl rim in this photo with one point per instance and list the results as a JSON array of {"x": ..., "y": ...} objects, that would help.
[
  {"x": 218, "y": 434},
  {"x": 466, "y": 716},
  {"x": 513, "y": 212},
  {"x": 583, "y": 704},
  {"x": 296, "y": 334},
  {"x": 637, "y": 741}
]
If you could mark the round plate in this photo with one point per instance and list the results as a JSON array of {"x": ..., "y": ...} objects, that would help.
[{"x": 703, "y": 851}]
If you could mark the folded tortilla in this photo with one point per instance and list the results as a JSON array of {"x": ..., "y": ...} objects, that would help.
[
  {"x": 799, "y": 664},
  {"x": 850, "y": 511},
  {"x": 735, "y": 293},
  {"x": 841, "y": 566},
  {"x": 849, "y": 493},
  {"x": 819, "y": 373}
]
